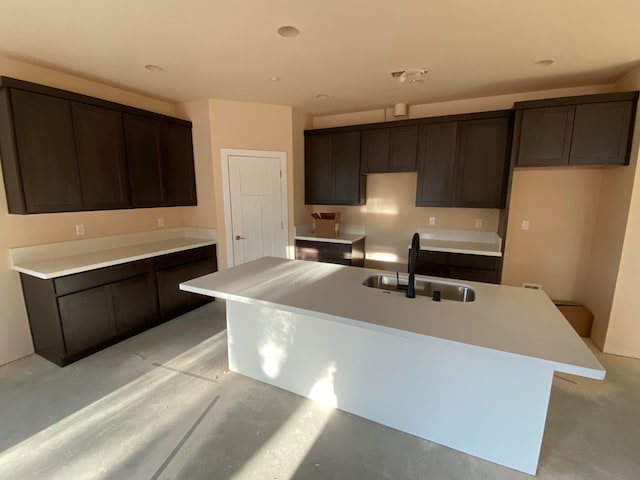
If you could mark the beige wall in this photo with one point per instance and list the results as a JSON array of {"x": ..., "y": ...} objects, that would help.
[
  {"x": 390, "y": 233},
  {"x": 301, "y": 122},
  {"x": 391, "y": 217},
  {"x": 617, "y": 330},
  {"x": 204, "y": 214},
  {"x": 20, "y": 230},
  {"x": 249, "y": 126},
  {"x": 560, "y": 205}
]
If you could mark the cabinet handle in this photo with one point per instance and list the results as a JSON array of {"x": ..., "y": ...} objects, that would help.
[{"x": 238, "y": 237}]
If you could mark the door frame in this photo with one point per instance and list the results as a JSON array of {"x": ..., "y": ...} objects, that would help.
[{"x": 225, "y": 153}]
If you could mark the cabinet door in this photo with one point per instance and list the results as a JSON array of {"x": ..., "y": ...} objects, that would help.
[
  {"x": 173, "y": 301},
  {"x": 481, "y": 164},
  {"x": 135, "y": 303},
  {"x": 46, "y": 152},
  {"x": 177, "y": 164},
  {"x": 142, "y": 137},
  {"x": 326, "y": 252},
  {"x": 403, "y": 149},
  {"x": 545, "y": 136},
  {"x": 318, "y": 170},
  {"x": 601, "y": 134},
  {"x": 436, "y": 157},
  {"x": 100, "y": 148},
  {"x": 198, "y": 269},
  {"x": 432, "y": 263},
  {"x": 348, "y": 181},
  {"x": 375, "y": 150},
  {"x": 87, "y": 319}
]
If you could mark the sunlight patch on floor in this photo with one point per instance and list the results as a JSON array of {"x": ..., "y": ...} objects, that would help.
[{"x": 142, "y": 418}]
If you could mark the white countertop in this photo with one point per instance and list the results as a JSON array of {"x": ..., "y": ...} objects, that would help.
[
  {"x": 507, "y": 319},
  {"x": 461, "y": 241},
  {"x": 342, "y": 238},
  {"x": 66, "y": 258},
  {"x": 347, "y": 234}
]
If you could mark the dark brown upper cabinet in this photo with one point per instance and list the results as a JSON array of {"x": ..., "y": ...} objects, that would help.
[
  {"x": 583, "y": 130},
  {"x": 177, "y": 164},
  {"x": 142, "y": 136},
  {"x": 38, "y": 153},
  {"x": 464, "y": 163},
  {"x": 160, "y": 156},
  {"x": 62, "y": 151},
  {"x": 388, "y": 150},
  {"x": 101, "y": 158},
  {"x": 436, "y": 160},
  {"x": 332, "y": 169},
  {"x": 482, "y": 163}
]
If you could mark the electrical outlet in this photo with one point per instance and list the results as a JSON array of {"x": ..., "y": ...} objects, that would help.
[
  {"x": 525, "y": 224},
  {"x": 160, "y": 222},
  {"x": 80, "y": 229},
  {"x": 478, "y": 223},
  {"x": 432, "y": 220},
  {"x": 532, "y": 286}
]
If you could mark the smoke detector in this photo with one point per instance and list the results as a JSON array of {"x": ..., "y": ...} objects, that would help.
[{"x": 410, "y": 76}]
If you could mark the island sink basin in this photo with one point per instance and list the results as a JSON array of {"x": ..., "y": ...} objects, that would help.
[{"x": 448, "y": 290}]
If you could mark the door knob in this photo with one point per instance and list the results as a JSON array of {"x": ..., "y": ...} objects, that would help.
[{"x": 238, "y": 237}]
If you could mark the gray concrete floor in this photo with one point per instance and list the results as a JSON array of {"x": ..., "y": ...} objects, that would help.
[{"x": 162, "y": 405}]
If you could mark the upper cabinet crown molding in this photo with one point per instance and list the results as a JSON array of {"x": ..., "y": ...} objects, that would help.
[
  {"x": 62, "y": 151},
  {"x": 581, "y": 130}
]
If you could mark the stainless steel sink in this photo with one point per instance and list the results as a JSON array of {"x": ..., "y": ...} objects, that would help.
[{"x": 448, "y": 290}]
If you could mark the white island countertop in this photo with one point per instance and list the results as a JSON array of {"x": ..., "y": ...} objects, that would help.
[
  {"x": 66, "y": 258},
  {"x": 507, "y": 319}
]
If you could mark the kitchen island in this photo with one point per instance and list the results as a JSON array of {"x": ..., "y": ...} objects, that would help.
[{"x": 473, "y": 376}]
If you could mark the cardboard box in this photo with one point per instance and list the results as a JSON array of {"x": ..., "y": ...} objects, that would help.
[
  {"x": 579, "y": 316},
  {"x": 326, "y": 224}
]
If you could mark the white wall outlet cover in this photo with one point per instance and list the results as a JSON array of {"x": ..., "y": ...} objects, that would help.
[
  {"x": 525, "y": 225},
  {"x": 478, "y": 223},
  {"x": 160, "y": 222},
  {"x": 80, "y": 229},
  {"x": 532, "y": 286},
  {"x": 432, "y": 220}
]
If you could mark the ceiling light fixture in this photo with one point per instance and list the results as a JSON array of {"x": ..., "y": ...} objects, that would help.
[
  {"x": 322, "y": 96},
  {"x": 288, "y": 31},
  {"x": 154, "y": 68},
  {"x": 413, "y": 76},
  {"x": 275, "y": 79},
  {"x": 543, "y": 63}
]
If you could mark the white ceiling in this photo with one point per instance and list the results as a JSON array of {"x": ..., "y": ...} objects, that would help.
[{"x": 347, "y": 48}]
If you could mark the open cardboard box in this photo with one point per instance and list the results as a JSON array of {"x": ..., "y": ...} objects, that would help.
[
  {"x": 326, "y": 224},
  {"x": 579, "y": 316}
]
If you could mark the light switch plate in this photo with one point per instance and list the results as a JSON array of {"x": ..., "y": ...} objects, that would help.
[{"x": 525, "y": 224}]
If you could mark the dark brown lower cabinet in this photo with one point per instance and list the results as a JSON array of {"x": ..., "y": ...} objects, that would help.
[
  {"x": 341, "y": 253},
  {"x": 76, "y": 315},
  {"x": 476, "y": 268}
]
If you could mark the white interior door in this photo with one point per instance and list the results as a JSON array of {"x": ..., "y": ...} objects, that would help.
[{"x": 256, "y": 204}]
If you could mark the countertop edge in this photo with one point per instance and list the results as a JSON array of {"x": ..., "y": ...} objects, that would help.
[
  {"x": 109, "y": 263},
  {"x": 486, "y": 253},
  {"x": 330, "y": 240}
]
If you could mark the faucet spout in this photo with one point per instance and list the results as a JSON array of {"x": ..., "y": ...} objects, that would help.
[{"x": 413, "y": 258}]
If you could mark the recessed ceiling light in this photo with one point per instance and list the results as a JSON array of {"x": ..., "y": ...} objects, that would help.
[
  {"x": 543, "y": 63},
  {"x": 288, "y": 31},
  {"x": 154, "y": 68},
  {"x": 322, "y": 96},
  {"x": 275, "y": 79}
]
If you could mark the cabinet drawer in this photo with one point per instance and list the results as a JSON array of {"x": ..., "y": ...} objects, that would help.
[
  {"x": 481, "y": 262},
  {"x": 101, "y": 276},
  {"x": 440, "y": 258},
  {"x": 340, "y": 253},
  {"x": 186, "y": 256},
  {"x": 474, "y": 275}
]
